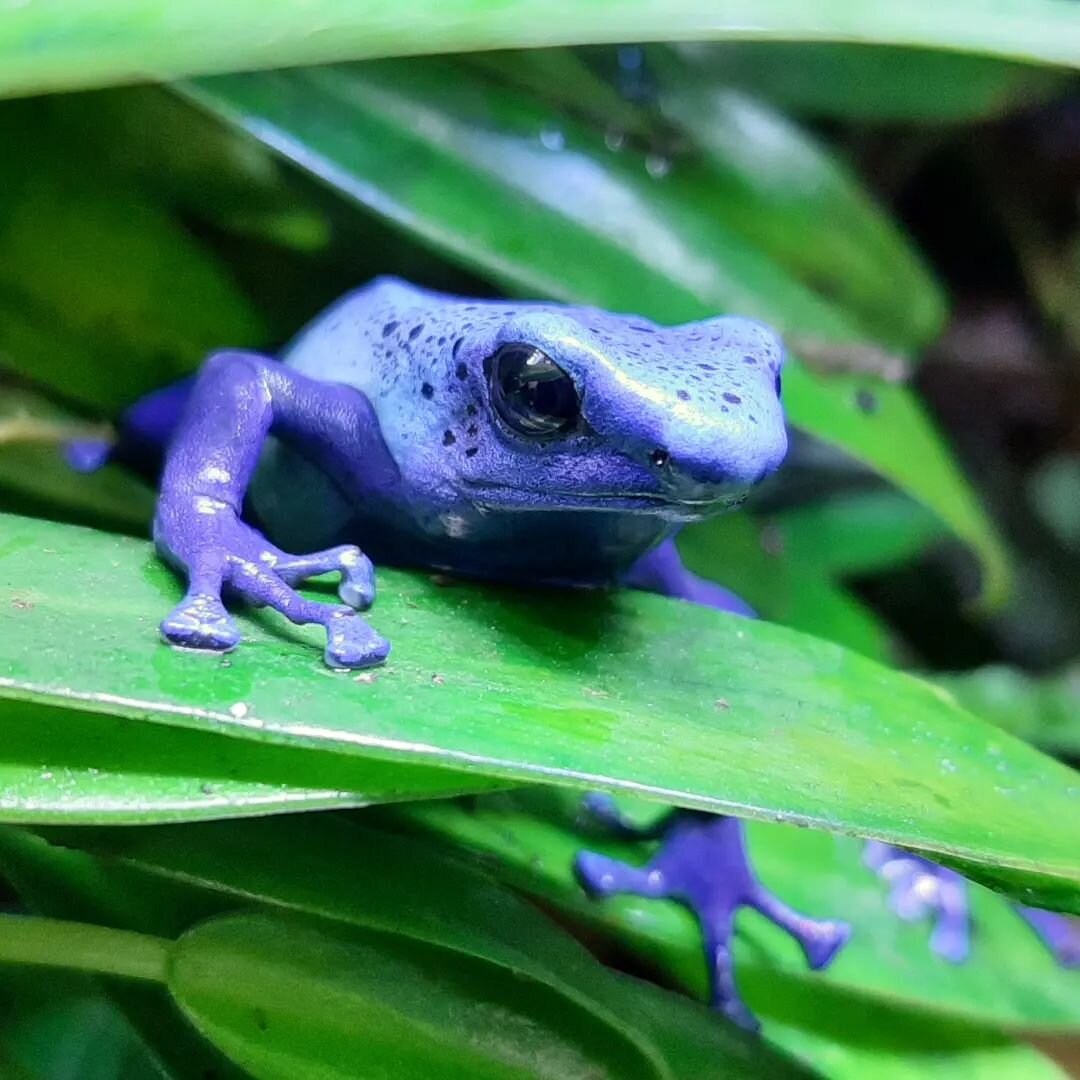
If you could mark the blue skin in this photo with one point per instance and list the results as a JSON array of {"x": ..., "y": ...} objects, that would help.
[
  {"x": 389, "y": 420},
  {"x": 388, "y": 427}
]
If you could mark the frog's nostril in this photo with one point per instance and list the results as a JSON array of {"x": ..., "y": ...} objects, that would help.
[{"x": 660, "y": 458}]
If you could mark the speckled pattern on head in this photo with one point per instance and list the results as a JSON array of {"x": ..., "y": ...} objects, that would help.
[{"x": 674, "y": 420}]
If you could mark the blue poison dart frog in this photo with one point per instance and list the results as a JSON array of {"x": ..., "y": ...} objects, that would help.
[{"x": 513, "y": 441}]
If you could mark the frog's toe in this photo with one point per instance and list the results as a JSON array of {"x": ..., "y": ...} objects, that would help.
[
  {"x": 352, "y": 643},
  {"x": 200, "y": 622},
  {"x": 822, "y": 947},
  {"x": 357, "y": 588}
]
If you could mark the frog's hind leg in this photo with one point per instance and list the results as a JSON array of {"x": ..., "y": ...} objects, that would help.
[
  {"x": 702, "y": 860},
  {"x": 143, "y": 433},
  {"x": 702, "y": 864},
  {"x": 820, "y": 941}
]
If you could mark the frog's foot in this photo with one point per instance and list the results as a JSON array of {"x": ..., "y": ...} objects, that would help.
[
  {"x": 200, "y": 621},
  {"x": 357, "y": 586},
  {"x": 702, "y": 864},
  {"x": 219, "y": 552},
  {"x": 920, "y": 889},
  {"x": 602, "y": 809},
  {"x": 1059, "y": 933}
]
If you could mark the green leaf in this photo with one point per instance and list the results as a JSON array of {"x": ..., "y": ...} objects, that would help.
[
  {"x": 1044, "y": 710},
  {"x": 473, "y": 171},
  {"x": 479, "y": 935},
  {"x": 56, "y": 1026},
  {"x": 851, "y": 535},
  {"x": 103, "y": 294},
  {"x": 68, "y": 884},
  {"x": 883, "y": 83},
  {"x": 290, "y": 1000},
  {"x": 529, "y": 840},
  {"x": 785, "y": 583},
  {"x": 296, "y": 862},
  {"x": 626, "y": 692},
  {"x": 779, "y": 188},
  {"x": 48, "y": 45},
  {"x": 790, "y": 567},
  {"x": 33, "y": 467},
  {"x": 62, "y": 766}
]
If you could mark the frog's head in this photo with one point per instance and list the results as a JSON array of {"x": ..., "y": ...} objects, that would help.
[{"x": 571, "y": 408}]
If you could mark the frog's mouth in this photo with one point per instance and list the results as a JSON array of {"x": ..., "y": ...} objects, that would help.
[{"x": 659, "y": 504}]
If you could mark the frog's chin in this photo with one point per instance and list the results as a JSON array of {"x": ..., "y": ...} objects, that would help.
[{"x": 497, "y": 498}]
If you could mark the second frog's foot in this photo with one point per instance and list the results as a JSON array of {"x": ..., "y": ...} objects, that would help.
[
  {"x": 702, "y": 864},
  {"x": 921, "y": 889}
]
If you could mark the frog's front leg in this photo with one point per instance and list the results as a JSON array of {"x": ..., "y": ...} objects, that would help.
[
  {"x": 702, "y": 864},
  {"x": 238, "y": 399},
  {"x": 919, "y": 888},
  {"x": 661, "y": 571}
]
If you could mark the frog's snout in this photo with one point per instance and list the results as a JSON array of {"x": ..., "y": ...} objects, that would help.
[{"x": 687, "y": 481}]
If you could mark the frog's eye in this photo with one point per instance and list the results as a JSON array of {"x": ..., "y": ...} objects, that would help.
[{"x": 532, "y": 394}]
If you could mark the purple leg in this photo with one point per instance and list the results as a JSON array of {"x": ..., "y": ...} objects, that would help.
[
  {"x": 145, "y": 431},
  {"x": 238, "y": 399},
  {"x": 702, "y": 864}
]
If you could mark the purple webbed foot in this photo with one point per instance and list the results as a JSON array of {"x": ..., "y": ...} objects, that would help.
[
  {"x": 919, "y": 888},
  {"x": 702, "y": 864},
  {"x": 200, "y": 621}
]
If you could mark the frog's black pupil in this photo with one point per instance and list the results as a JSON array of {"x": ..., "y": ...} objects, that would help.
[{"x": 532, "y": 394}]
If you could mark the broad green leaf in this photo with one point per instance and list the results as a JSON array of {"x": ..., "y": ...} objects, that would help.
[
  {"x": 68, "y": 884},
  {"x": 56, "y": 1026},
  {"x": 864, "y": 533},
  {"x": 103, "y": 295},
  {"x": 1010, "y": 979},
  {"x": 624, "y": 691},
  {"x": 785, "y": 584},
  {"x": 1045, "y": 710},
  {"x": 563, "y": 78},
  {"x": 296, "y": 863},
  {"x": 500, "y": 183},
  {"x": 57, "y": 765},
  {"x": 771, "y": 182},
  {"x": 790, "y": 567},
  {"x": 475, "y": 911},
  {"x": 293, "y": 1000},
  {"x": 779, "y": 188},
  {"x": 50, "y": 45},
  {"x": 884, "y": 83},
  {"x": 32, "y": 466}
]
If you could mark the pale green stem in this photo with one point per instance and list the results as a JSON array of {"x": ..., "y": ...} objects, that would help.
[{"x": 27, "y": 939}]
